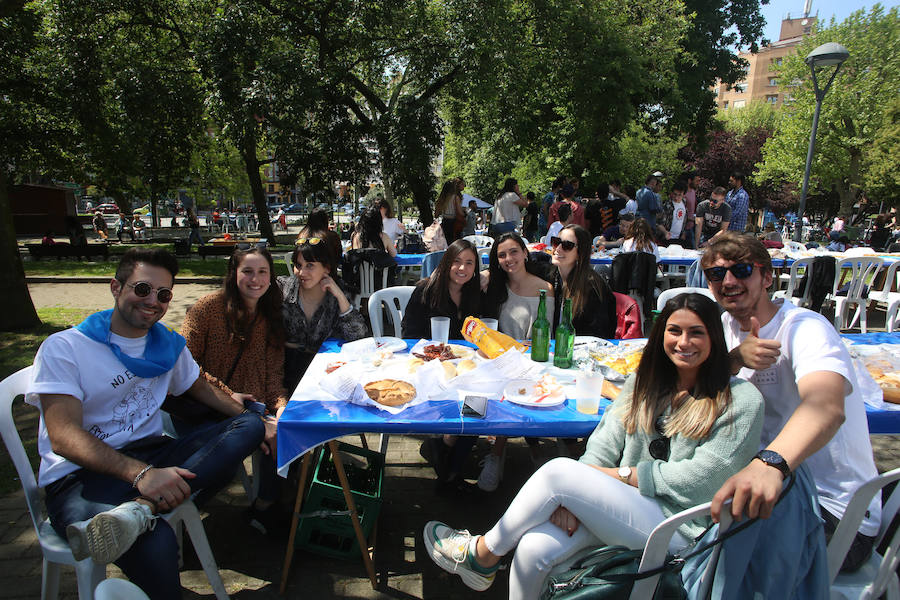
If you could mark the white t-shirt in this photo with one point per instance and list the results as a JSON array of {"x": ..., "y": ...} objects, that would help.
[
  {"x": 553, "y": 231},
  {"x": 809, "y": 343},
  {"x": 118, "y": 406},
  {"x": 392, "y": 228},
  {"x": 630, "y": 207},
  {"x": 678, "y": 212},
  {"x": 506, "y": 210},
  {"x": 628, "y": 246}
]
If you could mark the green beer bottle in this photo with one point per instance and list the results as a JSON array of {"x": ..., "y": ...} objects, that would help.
[
  {"x": 540, "y": 332},
  {"x": 565, "y": 338}
]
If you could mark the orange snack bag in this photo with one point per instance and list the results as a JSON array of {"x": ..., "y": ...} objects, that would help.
[{"x": 492, "y": 343}]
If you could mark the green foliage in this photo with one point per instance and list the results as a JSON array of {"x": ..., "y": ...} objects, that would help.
[
  {"x": 882, "y": 161},
  {"x": 852, "y": 112},
  {"x": 755, "y": 115},
  {"x": 640, "y": 153}
]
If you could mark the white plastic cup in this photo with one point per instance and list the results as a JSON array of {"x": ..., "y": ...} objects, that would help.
[
  {"x": 491, "y": 323},
  {"x": 440, "y": 329},
  {"x": 588, "y": 391}
]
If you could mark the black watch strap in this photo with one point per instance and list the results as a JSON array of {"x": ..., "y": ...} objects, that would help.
[{"x": 773, "y": 459}]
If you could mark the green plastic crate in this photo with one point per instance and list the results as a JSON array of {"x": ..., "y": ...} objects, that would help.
[{"x": 333, "y": 535}]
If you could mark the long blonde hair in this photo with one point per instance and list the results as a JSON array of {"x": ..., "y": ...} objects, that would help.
[{"x": 657, "y": 377}]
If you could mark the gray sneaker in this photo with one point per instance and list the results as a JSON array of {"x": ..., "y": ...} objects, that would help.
[
  {"x": 108, "y": 535},
  {"x": 491, "y": 473},
  {"x": 449, "y": 549}
]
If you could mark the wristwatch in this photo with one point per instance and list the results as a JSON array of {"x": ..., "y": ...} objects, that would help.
[
  {"x": 624, "y": 473},
  {"x": 773, "y": 459}
]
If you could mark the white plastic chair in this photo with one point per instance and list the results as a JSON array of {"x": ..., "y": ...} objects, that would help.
[
  {"x": 657, "y": 548},
  {"x": 670, "y": 293},
  {"x": 367, "y": 281},
  {"x": 480, "y": 241},
  {"x": 119, "y": 589},
  {"x": 793, "y": 246},
  {"x": 862, "y": 269},
  {"x": 885, "y": 296},
  {"x": 396, "y": 298},
  {"x": 878, "y": 575},
  {"x": 859, "y": 251},
  {"x": 799, "y": 268},
  {"x": 54, "y": 548}
]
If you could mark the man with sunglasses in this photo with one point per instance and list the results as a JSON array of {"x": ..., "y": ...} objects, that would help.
[
  {"x": 712, "y": 217},
  {"x": 106, "y": 466},
  {"x": 814, "y": 411}
]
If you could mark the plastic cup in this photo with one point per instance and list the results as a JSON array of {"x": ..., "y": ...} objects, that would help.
[
  {"x": 491, "y": 323},
  {"x": 440, "y": 329},
  {"x": 588, "y": 386}
]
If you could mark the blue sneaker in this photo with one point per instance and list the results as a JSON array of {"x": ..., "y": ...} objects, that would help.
[{"x": 450, "y": 550}]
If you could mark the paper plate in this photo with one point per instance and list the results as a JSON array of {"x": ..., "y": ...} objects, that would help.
[
  {"x": 391, "y": 344},
  {"x": 512, "y": 392}
]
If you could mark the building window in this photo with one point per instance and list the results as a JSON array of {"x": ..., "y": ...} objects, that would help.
[
  {"x": 779, "y": 60},
  {"x": 739, "y": 103},
  {"x": 773, "y": 81},
  {"x": 725, "y": 105},
  {"x": 740, "y": 88},
  {"x": 271, "y": 188},
  {"x": 772, "y": 99}
]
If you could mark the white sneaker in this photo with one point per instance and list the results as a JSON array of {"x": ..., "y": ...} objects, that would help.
[
  {"x": 108, "y": 535},
  {"x": 491, "y": 473},
  {"x": 450, "y": 550}
]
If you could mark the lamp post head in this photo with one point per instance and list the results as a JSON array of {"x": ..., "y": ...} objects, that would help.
[{"x": 826, "y": 55}]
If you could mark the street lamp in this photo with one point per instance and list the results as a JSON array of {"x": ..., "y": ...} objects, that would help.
[{"x": 825, "y": 55}]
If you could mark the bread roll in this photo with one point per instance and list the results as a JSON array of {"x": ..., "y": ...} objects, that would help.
[
  {"x": 465, "y": 366},
  {"x": 449, "y": 369},
  {"x": 390, "y": 392},
  {"x": 414, "y": 364}
]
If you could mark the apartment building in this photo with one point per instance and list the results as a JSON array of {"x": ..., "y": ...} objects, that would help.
[{"x": 760, "y": 82}]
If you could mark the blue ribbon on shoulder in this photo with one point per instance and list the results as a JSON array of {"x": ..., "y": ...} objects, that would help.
[{"x": 163, "y": 348}]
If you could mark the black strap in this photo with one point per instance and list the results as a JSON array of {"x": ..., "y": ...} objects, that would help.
[
  {"x": 237, "y": 358},
  {"x": 678, "y": 560}
]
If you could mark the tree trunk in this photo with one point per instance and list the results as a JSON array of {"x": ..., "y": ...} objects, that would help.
[
  {"x": 251, "y": 164},
  {"x": 16, "y": 308},
  {"x": 422, "y": 197},
  {"x": 849, "y": 189}
]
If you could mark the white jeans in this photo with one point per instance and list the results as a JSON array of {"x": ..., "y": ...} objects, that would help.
[{"x": 609, "y": 511}]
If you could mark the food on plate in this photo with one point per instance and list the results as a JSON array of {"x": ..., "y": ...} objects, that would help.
[
  {"x": 887, "y": 379},
  {"x": 390, "y": 392},
  {"x": 436, "y": 351},
  {"x": 414, "y": 364},
  {"x": 449, "y": 370},
  {"x": 625, "y": 364},
  {"x": 381, "y": 357},
  {"x": 608, "y": 390},
  {"x": 465, "y": 366},
  {"x": 334, "y": 366},
  {"x": 545, "y": 387}
]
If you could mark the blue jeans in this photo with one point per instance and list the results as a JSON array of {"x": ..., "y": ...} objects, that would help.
[{"x": 212, "y": 452}]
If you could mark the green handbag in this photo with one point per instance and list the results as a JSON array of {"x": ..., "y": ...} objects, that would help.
[{"x": 610, "y": 572}]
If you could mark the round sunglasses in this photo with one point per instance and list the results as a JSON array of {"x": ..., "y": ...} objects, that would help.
[
  {"x": 142, "y": 289},
  {"x": 739, "y": 270},
  {"x": 311, "y": 241},
  {"x": 567, "y": 245}
]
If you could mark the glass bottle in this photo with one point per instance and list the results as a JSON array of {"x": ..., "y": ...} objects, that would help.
[
  {"x": 565, "y": 338},
  {"x": 540, "y": 332}
]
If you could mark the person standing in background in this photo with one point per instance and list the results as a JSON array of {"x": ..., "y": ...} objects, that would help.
[
  {"x": 507, "y": 208},
  {"x": 547, "y": 202},
  {"x": 449, "y": 208},
  {"x": 690, "y": 207},
  {"x": 530, "y": 220},
  {"x": 739, "y": 202}
]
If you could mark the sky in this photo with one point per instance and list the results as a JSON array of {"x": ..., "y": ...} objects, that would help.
[{"x": 776, "y": 10}]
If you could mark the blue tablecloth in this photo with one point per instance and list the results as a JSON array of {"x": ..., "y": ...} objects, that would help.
[
  {"x": 305, "y": 425},
  {"x": 412, "y": 260}
]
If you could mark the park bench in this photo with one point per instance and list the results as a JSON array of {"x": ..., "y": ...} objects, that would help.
[{"x": 60, "y": 251}]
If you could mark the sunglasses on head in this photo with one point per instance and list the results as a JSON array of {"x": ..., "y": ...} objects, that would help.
[
  {"x": 739, "y": 270},
  {"x": 567, "y": 245},
  {"x": 659, "y": 447},
  {"x": 311, "y": 241},
  {"x": 142, "y": 289}
]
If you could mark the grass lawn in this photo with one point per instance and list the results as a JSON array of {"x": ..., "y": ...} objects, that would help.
[
  {"x": 191, "y": 267},
  {"x": 17, "y": 350}
]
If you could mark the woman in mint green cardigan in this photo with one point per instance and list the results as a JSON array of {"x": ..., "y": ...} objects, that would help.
[{"x": 679, "y": 428}]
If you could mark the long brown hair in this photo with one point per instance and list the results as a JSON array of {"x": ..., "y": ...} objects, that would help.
[
  {"x": 656, "y": 380},
  {"x": 437, "y": 291},
  {"x": 582, "y": 278},
  {"x": 238, "y": 321},
  {"x": 641, "y": 234},
  {"x": 448, "y": 192}
]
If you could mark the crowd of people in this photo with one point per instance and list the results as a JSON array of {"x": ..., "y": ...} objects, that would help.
[{"x": 720, "y": 408}]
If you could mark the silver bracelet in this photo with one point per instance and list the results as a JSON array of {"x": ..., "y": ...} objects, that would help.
[{"x": 139, "y": 476}]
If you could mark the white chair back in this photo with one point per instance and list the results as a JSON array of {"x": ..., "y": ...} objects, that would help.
[
  {"x": 666, "y": 295},
  {"x": 396, "y": 298},
  {"x": 287, "y": 261},
  {"x": 859, "y": 251},
  {"x": 799, "y": 268},
  {"x": 862, "y": 269},
  {"x": 119, "y": 589},
  {"x": 793, "y": 246},
  {"x": 367, "y": 281},
  {"x": 879, "y": 574},
  {"x": 480, "y": 241}
]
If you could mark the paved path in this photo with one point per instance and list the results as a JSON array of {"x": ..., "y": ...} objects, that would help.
[{"x": 251, "y": 563}]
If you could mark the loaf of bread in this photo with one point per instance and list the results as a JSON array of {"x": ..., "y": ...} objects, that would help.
[{"x": 390, "y": 392}]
